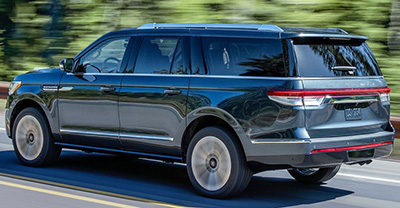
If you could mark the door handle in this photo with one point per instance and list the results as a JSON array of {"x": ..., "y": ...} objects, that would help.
[
  {"x": 172, "y": 92},
  {"x": 107, "y": 89},
  {"x": 64, "y": 89}
]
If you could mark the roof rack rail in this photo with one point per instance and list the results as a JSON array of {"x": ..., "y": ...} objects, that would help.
[
  {"x": 272, "y": 28},
  {"x": 339, "y": 30},
  {"x": 315, "y": 30}
]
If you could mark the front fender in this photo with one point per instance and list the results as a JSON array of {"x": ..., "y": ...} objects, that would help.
[{"x": 32, "y": 95}]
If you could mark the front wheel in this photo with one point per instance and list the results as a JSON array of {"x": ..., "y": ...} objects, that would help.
[
  {"x": 216, "y": 164},
  {"x": 32, "y": 140},
  {"x": 314, "y": 175}
]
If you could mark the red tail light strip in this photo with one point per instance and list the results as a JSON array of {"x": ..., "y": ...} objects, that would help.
[
  {"x": 334, "y": 92},
  {"x": 351, "y": 148}
]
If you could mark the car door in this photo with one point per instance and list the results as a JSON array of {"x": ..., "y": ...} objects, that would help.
[
  {"x": 88, "y": 97},
  {"x": 153, "y": 96}
]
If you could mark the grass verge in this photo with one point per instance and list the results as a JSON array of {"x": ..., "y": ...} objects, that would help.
[
  {"x": 2, "y": 104},
  {"x": 396, "y": 150}
]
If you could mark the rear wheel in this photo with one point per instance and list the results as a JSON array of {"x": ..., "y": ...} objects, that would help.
[
  {"x": 216, "y": 165},
  {"x": 32, "y": 140},
  {"x": 314, "y": 175}
]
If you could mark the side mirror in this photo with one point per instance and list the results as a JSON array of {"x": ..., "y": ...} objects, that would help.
[{"x": 67, "y": 64}]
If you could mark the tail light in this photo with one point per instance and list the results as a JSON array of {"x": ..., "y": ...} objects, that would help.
[
  {"x": 316, "y": 97},
  {"x": 384, "y": 97}
]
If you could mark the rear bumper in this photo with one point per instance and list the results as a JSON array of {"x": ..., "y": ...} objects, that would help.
[{"x": 302, "y": 154}]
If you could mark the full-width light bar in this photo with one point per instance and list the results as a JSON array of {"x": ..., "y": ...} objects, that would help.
[
  {"x": 315, "y": 97},
  {"x": 350, "y": 148},
  {"x": 335, "y": 92}
]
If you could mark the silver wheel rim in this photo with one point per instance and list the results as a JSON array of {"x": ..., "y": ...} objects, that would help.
[
  {"x": 307, "y": 171},
  {"x": 29, "y": 137},
  {"x": 211, "y": 163}
]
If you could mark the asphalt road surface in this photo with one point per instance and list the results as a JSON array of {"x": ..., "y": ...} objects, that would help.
[{"x": 99, "y": 180}]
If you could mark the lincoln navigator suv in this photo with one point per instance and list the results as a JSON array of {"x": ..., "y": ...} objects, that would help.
[{"x": 228, "y": 100}]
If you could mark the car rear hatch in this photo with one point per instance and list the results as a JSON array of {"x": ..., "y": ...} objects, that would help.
[{"x": 344, "y": 92}]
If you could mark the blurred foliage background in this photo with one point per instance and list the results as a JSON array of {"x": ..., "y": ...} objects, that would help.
[{"x": 39, "y": 33}]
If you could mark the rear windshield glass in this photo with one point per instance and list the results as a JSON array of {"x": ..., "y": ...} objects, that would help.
[
  {"x": 244, "y": 57},
  {"x": 335, "y": 59}
]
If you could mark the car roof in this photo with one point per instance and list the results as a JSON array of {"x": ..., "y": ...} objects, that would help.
[{"x": 254, "y": 30}]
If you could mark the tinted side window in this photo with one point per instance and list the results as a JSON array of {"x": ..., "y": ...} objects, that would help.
[
  {"x": 156, "y": 55},
  {"x": 244, "y": 57},
  {"x": 179, "y": 66},
  {"x": 196, "y": 57},
  {"x": 104, "y": 58}
]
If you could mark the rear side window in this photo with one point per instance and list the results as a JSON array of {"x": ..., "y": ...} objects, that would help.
[
  {"x": 156, "y": 55},
  {"x": 331, "y": 59},
  {"x": 244, "y": 57},
  {"x": 178, "y": 66}
]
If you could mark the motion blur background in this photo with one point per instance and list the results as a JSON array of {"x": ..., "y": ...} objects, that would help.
[{"x": 39, "y": 33}]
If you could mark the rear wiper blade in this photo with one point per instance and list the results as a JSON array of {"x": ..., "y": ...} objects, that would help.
[{"x": 344, "y": 68}]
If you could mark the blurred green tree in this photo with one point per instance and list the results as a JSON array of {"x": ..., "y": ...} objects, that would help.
[
  {"x": 6, "y": 28},
  {"x": 39, "y": 33}
]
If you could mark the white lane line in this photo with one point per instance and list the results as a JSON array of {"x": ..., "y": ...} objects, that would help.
[
  {"x": 369, "y": 178},
  {"x": 373, "y": 171},
  {"x": 357, "y": 201},
  {"x": 2, "y": 129}
]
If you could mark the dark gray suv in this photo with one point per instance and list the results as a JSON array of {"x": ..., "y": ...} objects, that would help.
[{"x": 228, "y": 100}]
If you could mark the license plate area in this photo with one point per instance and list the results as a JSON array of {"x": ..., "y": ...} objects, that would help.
[
  {"x": 352, "y": 114},
  {"x": 362, "y": 154}
]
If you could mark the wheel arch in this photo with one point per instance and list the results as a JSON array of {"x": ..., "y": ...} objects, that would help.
[
  {"x": 211, "y": 116},
  {"x": 30, "y": 100}
]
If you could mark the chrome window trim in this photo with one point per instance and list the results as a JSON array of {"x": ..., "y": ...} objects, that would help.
[{"x": 224, "y": 76}]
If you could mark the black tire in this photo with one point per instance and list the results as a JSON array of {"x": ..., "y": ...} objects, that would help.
[
  {"x": 234, "y": 182},
  {"x": 45, "y": 151},
  {"x": 314, "y": 176}
]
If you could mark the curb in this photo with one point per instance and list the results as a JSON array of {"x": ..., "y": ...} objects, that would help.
[{"x": 4, "y": 90}]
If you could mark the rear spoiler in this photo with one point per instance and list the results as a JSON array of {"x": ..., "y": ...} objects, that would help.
[
  {"x": 329, "y": 40},
  {"x": 357, "y": 38}
]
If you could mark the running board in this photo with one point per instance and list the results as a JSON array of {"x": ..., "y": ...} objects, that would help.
[{"x": 105, "y": 150}]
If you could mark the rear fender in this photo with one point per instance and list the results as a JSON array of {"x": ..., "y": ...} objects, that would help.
[{"x": 225, "y": 116}]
